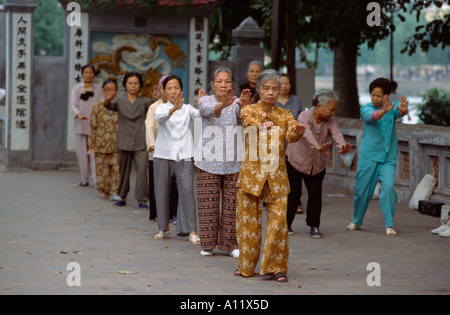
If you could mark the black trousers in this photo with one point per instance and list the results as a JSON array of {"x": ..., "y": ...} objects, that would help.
[{"x": 314, "y": 188}]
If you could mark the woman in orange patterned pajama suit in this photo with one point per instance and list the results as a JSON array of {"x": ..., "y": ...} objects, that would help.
[{"x": 263, "y": 178}]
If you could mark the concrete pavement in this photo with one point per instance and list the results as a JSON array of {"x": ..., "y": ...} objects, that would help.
[{"x": 46, "y": 223}]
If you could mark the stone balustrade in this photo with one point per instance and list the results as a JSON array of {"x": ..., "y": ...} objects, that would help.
[{"x": 423, "y": 149}]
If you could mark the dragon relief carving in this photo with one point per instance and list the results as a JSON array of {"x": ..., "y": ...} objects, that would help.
[
  {"x": 111, "y": 66},
  {"x": 111, "y": 62},
  {"x": 172, "y": 50}
]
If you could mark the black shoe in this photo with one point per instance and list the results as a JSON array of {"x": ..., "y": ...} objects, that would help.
[
  {"x": 315, "y": 233},
  {"x": 80, "y": 184}
]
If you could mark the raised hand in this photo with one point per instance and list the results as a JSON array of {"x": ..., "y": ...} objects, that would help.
[
  {"x": 345, "y": 148},
  {"x": 179, "y": 101},
  {"x": 200, "y": 94},
  {"x": 403, "y": 109},
  {"x": 387, "y": 105},
  {"x": 299, "y": 129},
  {"x": 227, "y": 97},
  {"x": 323, "y": 148},
  {"x": 109, "y": 95},
  {"x": 244, "y": 99},
  {"x": 177, "y": 104}
]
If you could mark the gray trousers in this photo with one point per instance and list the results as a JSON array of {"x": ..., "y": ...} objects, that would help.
[
  {"x": 125, "y": 163},
  {"x": 84, "y": 160},
  {"x": 183, "y": 172}
]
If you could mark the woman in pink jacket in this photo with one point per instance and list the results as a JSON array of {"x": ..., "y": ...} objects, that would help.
[
  {"x": 84, "y": 96},
  {"x": 307, "y": 158}
]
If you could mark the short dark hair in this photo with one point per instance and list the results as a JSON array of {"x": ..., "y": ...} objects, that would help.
[
  {"x": 394, "y": 85},
  {"x": 109, "y": 81},
  {"x": 382, "y": 83},
  {"x": 132, "y": 74},
  {"x": 286, "y": 75},
  {"x": 88, "y": 66},
  {"x": 171, "y": 77}
]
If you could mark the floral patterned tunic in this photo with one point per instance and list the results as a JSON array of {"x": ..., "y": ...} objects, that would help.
[
  {"x": 103, "y": 129},
  {"x": 262, "y": 163}
]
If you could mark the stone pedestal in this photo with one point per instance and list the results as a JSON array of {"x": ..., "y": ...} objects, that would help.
[
  {"x": 305, "y": 81},
  {"x": 248, "y": 36}
]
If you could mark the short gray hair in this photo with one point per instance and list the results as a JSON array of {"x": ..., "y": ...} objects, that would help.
[
  {"x": 255, "y": 62},
  {"x": 268, "y": 75},
  {"x": 324, "y": 97},
  {"x": 220, "y": 69}
]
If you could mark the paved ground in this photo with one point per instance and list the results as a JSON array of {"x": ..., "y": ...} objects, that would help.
[{"x": 46, "y": 223}]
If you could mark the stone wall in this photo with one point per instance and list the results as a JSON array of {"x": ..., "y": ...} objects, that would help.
[{"x": 423, "y": 149}]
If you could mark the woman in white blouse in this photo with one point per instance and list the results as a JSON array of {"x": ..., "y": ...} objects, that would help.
[{"x": 172, "y": 158}]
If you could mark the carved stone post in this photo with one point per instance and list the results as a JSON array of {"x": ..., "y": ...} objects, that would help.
[
  {"x": 19, "y": 82},
  {"x": 248, "y": 36}
]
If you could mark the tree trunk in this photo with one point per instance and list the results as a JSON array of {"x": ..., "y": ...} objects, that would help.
[{"x": 344, "y": 79}]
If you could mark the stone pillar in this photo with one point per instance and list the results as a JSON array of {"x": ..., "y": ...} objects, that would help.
[
  {"x": 305, "y": 81},
  {"x": 19, "y": 69},
  {"x": 79, "y": 55},
  {"x": 248, "y": 36},
  {"x": 198, "y": 57}
]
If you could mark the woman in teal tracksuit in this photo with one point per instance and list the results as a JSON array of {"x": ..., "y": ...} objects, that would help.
[{"x": 378, "y": 154}]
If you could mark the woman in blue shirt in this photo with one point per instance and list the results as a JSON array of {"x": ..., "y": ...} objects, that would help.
[{"x": 378, "y": 154}]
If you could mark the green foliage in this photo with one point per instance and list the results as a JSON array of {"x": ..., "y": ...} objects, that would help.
[
  {"x": 433, "y": 33},
  {"x": 48, "y": 28},
  {"x": 436, "y": 107},
  {"x": 224, "y": 19}
]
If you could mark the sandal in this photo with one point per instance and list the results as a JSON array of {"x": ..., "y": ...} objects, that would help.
[
  {"x": 352, "y": 227},
  {"x": 194, "y": 239},
  {"x": 279, "y": 277},
  {"x": 237, "y": 273},
  {"x": 390, "y": 232},
  {"x": 162, "y": 234}
]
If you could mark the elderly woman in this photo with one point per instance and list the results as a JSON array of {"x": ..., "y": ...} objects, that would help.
[
  {"x": 254, "y": 69},
  {"x": 263, "y": 177},
  {"x": 84, "y": 96},
  {"x": 307, "y": 158},
  {"x": 216, "y": 174},
  {"x": 132, "y": 110},
  {"x": 102, "y": 142},
  {"x": 173, "y": 159}
]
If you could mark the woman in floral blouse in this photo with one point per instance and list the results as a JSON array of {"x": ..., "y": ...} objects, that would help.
[
  {"x": 102, "y": 142},
  {"x": 217, "y": 172},
  {"x": 263, "y": 177}
]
